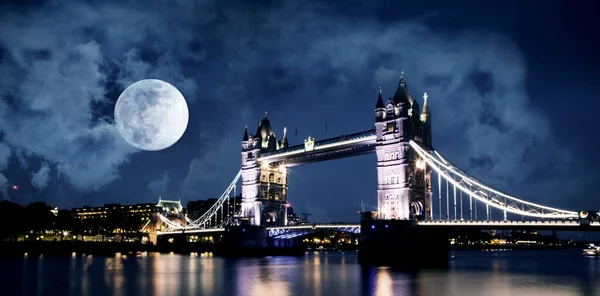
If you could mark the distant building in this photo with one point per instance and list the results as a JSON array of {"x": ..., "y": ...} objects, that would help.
[
  {"x": 170, "y": 207},
  {"x": 294, "y": 219},
  {"x": 139, "y": 210},
  {"x": 117, "y": 218}
]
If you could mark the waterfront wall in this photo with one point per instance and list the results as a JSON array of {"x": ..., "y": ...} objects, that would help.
[{"x": 401, "y": 243}]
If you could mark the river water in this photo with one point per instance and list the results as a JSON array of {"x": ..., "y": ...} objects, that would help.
[{"x": 549, "y": 272}]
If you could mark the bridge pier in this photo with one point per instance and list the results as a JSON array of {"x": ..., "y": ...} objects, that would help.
[
  {"x": 401, "y": 243},
  {"x": 252, "y": 240}
]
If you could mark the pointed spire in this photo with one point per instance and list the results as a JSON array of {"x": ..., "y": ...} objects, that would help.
[
  {"x": 425, "y": 114},
  {"x": 425, "y": 106},
  {"x": 402, "y": 95},
  {"x": 284, "y": 141},
  {"x": 380, "y": 104},
  {"x": 257, "y": 134},
  {"x": 245, "y": 134}
]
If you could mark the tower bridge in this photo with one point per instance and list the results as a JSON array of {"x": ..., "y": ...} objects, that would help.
[{"x": 409, "y": 170}]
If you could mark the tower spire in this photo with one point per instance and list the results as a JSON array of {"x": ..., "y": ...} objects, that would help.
[
  {"x": 284, "y": 141},
  {"x": 380, "y": 104},
  {"x": 245, "y": 139},
  {"x": 402, "y": 95},
  {"x": 425, "y": 114}
]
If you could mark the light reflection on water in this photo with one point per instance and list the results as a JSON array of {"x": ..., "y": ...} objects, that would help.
[{"x": 548, "y": 273}]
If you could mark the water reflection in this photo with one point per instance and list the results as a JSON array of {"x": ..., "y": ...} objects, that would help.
[{"x": 469, "y": 273}]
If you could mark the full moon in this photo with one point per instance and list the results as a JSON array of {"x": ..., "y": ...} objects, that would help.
[{"x": 151, "y": 115}]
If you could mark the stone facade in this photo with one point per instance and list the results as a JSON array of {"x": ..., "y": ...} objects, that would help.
[
  {"x": 403, "y": 180},
  {"x": 264, "y": 185}
]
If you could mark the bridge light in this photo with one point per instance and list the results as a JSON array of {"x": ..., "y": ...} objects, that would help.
[
  {"x": 282, "y": 169},
  {"x": 421, "y": 164},
  {"x": 583, "y": 214},
  {"x": 373, "y": 226}
]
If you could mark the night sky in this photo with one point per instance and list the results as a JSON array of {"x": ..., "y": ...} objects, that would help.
[{"x": 513, "y": 90}]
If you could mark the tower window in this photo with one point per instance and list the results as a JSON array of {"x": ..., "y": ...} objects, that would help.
[
  {"x": 390, "y": 126},
  {"x": 249, "y": 154}
]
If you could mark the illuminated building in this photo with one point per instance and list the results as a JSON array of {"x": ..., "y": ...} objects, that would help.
[
  {"x": 264, "y": 185},
  {"x": 403, "y": 180},
  {"x": 143, "y": 211}
]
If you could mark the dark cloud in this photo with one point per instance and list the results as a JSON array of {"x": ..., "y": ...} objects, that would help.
[{"x": 232, "y": 62}]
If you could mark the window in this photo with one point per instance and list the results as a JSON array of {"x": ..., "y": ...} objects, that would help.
[
  {"x": 279, "y": 180},
  {"x": 390, "y": 126},
  {"x": 271, "y": 177},
  {"x": 249, "y": 154}
]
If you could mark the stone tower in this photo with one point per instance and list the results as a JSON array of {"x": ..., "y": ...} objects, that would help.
[
  {"x": 403, "y": 180},
  {"x": 264, "y": 185}
]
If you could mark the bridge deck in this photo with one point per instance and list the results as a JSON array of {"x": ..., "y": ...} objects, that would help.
[{"x": 565, "y": 225}]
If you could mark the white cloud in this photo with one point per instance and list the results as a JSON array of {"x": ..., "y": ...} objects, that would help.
[{"x": 41, "y": 178}]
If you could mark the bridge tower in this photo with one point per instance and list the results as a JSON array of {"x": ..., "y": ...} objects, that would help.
[
  {"x": 264, "y": 185},
  {"x": 403, "y": 180}
]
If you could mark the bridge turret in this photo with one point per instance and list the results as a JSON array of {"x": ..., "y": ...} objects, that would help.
[
  {"x": 256, "y": 135},
  {"x": 426, "y": 123},
  {"x": 402, "y": 99},
  {"x": 245, "y": 139},
  {"x": 379, "y": 108},
  {"x": 425, "y": 114},
  {"x": 401, "y": 193},
  {"x": 284, "y": 141},
  {"x": 250, "y": 176}
]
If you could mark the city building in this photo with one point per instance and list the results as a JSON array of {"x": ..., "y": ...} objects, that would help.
[
  {"x": 143, "y": 211},
  {"x": 117, "y": 218}
]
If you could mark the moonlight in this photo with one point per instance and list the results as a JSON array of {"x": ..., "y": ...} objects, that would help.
[{"x": 151, "y": 115}]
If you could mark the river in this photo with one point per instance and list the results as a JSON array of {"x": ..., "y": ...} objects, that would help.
[{"x": 527, "y": 272}]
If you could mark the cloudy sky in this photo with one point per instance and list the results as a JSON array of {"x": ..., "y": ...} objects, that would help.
[{"x": 513, "y": 89}]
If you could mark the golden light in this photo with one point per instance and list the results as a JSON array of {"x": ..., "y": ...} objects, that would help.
[
  {"x": 421, "y": 164},
  {"x": 282, "y": 169}
]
